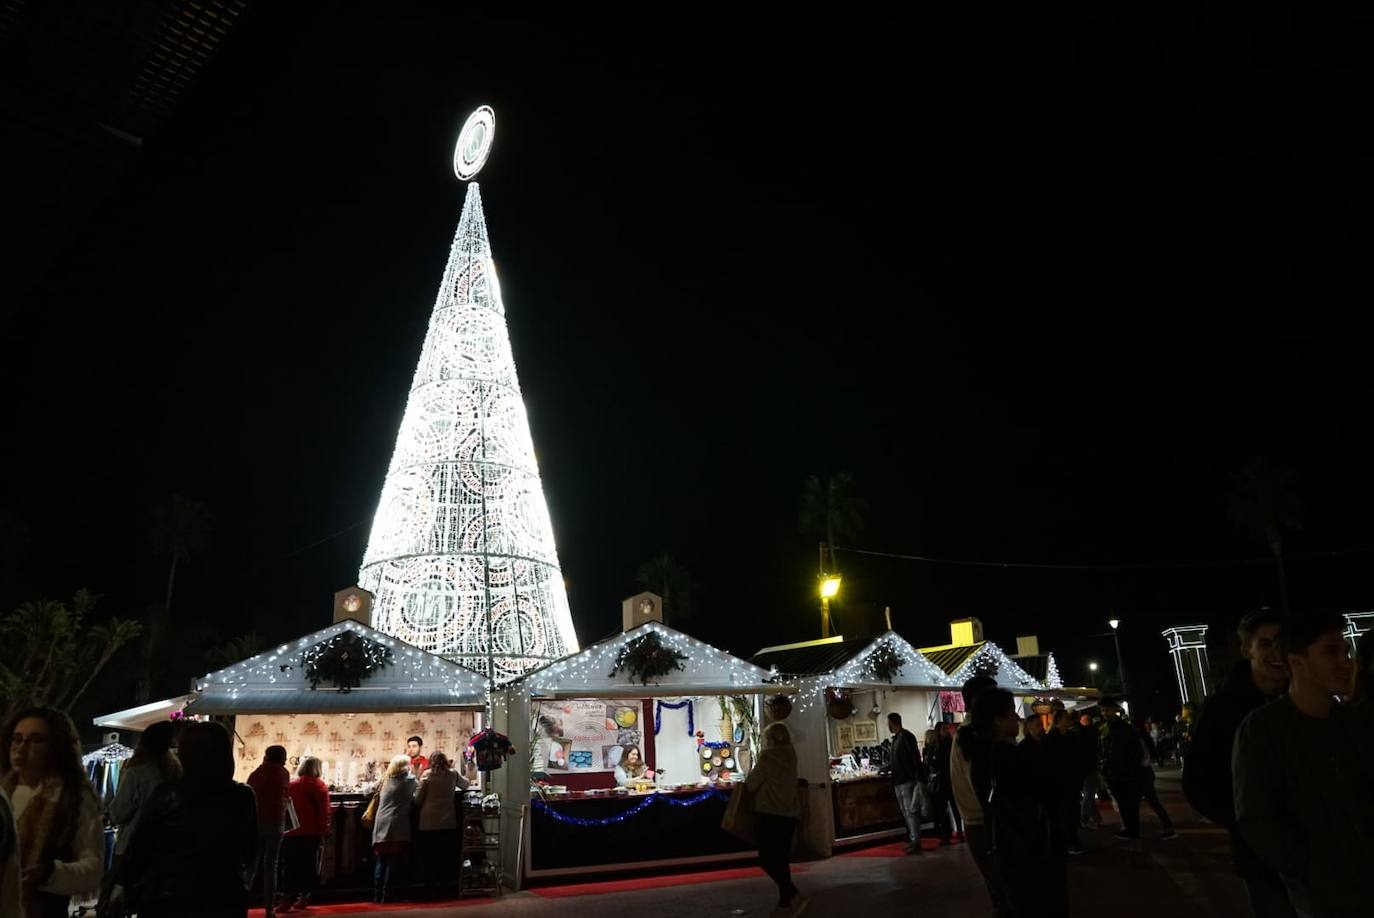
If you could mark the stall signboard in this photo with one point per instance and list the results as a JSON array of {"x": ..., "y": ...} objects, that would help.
[{"x": 585, "y": 736}]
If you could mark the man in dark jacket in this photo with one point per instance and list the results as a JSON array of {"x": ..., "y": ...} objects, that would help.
[
  {"x": 1256, "y": 680},
  {"x": 1303, "y": 773},
  {"x": 906, "y": 771},
  {"x": 1119, "y": 754}
]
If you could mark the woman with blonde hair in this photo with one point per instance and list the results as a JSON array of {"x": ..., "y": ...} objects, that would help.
[
  {"x": 773, "y": 782},
  {"x": 391, "y": 830},
  {"x": 301, "y": 846}
]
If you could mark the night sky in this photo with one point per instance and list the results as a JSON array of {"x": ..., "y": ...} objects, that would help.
[{"x": 1043, "y": 287}]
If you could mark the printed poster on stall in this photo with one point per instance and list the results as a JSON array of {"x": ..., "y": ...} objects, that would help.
[{"x": 584, "y": 737}]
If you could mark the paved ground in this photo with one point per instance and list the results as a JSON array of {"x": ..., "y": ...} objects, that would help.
[{"x": 1185, "y": 878}]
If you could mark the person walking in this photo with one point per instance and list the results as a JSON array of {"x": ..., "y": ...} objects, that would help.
[
  {"x": 58, "y": 820},
  {"x": 1009, "y": 785},
  {"x": 1066, "y": 782},
  {"x": 937, "y": 787},
  {"x": 1084, "y": 736},
  {"x": 438, "y": 829},
  {"x": 152, "y": 765},
  {"x": 977, "y": 833},
  {"x": 1303, "y": 776},
  {"x": 1258, "y": 679},
  {"x": 1119, "y": 756},
  {"x": 906, "y": 772},
  {"x": 269, "y": 782},
  {"x": 1150, "y": 796},
  {"x": 773, "y": 782},
  {"x": 941, "y": 783},
  {"x": 196, "y": 838},
  {"x": 391, "y": 831},
  {"x": 301, "y": 846}
]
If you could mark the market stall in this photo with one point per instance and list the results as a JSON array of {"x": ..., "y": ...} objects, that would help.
[
  {"x": 350, "y": 696},
  {"x": 688, "y": 709},
  {"x": 846, "y": 690}
]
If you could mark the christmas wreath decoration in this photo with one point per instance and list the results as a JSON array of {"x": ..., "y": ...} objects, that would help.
[
  {"x": 345, "y": 660},
  {"x": 884, "y": 662},
  {"x": 645, "y": 658},
  {"x": 838, "y": 703}
]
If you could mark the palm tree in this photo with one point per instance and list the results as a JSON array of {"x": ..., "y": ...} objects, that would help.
[
  {"x": 233, "y": 650},
  {"x": 180, "y": 531},
  {"x": 832, "y": 512},
  {"x": 665, "y": 575},
  {"x": 1264, "y": 501}
]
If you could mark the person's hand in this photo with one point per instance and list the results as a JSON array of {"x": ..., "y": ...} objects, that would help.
[{"x": 37, "y": 875}]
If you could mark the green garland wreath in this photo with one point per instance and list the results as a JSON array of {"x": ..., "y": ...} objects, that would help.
[
  {"x": 345, "y": 660},
  {"x": 646, "y": 658},
  {"x": 885, "y": 663}
]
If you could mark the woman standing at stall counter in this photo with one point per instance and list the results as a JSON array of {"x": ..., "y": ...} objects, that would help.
[
  {"x": 438, "y": 839},
  {"x": 391, "y": 831},
  {"x": 301, "y": 846},
  {"x": 774, "y": 785},
  {"x": 632, "y": 768}
]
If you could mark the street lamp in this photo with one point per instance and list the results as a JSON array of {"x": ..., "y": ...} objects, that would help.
[
  {"x": 1120, "y": 666},
  {"x": 830, "y": 588},
  {"x": 1092, "y": 674}
]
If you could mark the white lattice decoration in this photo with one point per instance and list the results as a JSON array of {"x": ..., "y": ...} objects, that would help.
[
  {"x": 461, "y": 556},
  {"x": 990, "y": 660}
]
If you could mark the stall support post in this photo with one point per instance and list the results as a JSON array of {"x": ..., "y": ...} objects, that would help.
[
  {"x": 810, "y": 730},
  {"x": 510, "y": 710}
]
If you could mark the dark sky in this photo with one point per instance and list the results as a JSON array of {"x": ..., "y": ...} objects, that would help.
[{"x": 1042, "y": 286}]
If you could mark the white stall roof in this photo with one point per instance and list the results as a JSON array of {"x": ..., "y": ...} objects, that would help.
[
  {"x": 705, "y": 671},
  {"x": 140, "y": 718},
  {"x": 274, "y": 682}
]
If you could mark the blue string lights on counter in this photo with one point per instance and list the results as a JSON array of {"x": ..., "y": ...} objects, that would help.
[
  {"x": 674, "y": 706},
  {"x": 635, "y": 810},
  {"x": 710, "y": 745}
]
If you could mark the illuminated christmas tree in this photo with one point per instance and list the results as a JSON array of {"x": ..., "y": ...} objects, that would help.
[{"x": 461, "y": 556}]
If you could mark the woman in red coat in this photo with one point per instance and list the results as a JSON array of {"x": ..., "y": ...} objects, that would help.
[{"x": 301, "y": 846}]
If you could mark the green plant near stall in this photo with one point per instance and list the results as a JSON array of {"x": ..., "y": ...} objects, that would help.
[{"x": 741, "y": 711}]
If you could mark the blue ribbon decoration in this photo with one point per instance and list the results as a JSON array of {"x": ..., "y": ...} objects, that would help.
[
  {"x": 632, "y": 811},
  {"x": 710, "y": 745},
  {"x": 674, "y": 706}
]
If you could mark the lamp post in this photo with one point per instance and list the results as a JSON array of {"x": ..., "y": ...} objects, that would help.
[
  {"x": 1092, "y": 674},
  {"x": 830, "y": 588},
  {"x": 1120, "y": 665}
]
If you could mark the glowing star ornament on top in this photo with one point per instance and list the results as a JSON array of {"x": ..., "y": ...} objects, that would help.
[{"x": 461, "y": 557}]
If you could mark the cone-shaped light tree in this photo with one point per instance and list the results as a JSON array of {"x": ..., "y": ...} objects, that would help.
[{"x": 461, "y": 556}]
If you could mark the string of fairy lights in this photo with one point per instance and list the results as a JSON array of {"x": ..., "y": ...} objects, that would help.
[{"x": 412, "y": 667}]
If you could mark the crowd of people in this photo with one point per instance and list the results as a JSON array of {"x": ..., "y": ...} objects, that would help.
[
  {"x": 191, "y": 840},
  {"x": 1282, "y": 756}
]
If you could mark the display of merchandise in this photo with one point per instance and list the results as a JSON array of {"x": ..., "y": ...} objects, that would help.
[
  {"x": 481, "y": 836},
  {"x": 490, "y": 749}
]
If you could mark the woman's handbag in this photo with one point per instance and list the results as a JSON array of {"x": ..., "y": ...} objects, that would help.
[
  {"x": 740, "y": 820},
  {"x": 369, "y": 817}
]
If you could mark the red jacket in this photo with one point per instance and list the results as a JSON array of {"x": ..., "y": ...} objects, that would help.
[
  {"x": 269, "y": 782},
  {"x": 311, "y": 799}
]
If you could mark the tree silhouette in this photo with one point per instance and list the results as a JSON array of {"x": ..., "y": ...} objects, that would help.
[
  {"x": 1264, "y": 502},
  {"x": 665, "y": 575}
]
